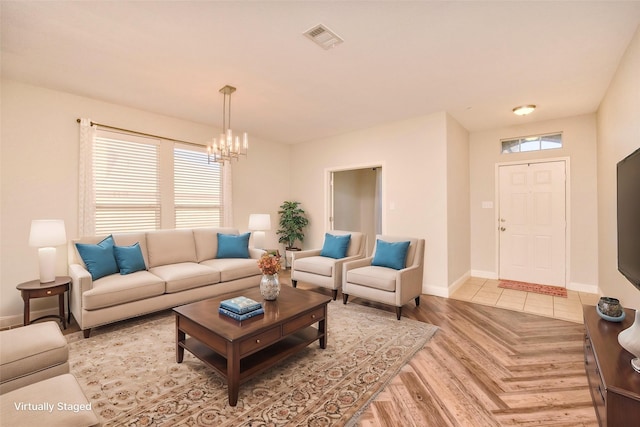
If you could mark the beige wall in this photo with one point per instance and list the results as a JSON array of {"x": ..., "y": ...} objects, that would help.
[
  {"x": 579, "y": 144},
  {"x": 458, "y": 225},
  {"x": 39, "y": 173},
  {"x": 618, "y": 136},
  {"x": 413, "y": 155}
]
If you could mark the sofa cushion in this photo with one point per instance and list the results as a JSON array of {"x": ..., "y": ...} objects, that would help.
[
  {"x": 68, "y": 405},
  {"x": 374, "y": 277},
  {"x": 233, "y": 268},
  {"x": 170, "y": 247},
  {"x": 390, "y": 254},
  {"x": 117, "y": 289},
  {"x": 129, "y": 258},
  {"x": 99, "y": 259},
  {"x": 31, "y": 349},
  {"x": 185, "y": 275},
  {"x": 335, "y": 246},
  {"x": 320, "y": 265},
  {"x": 233, "y": 246}
]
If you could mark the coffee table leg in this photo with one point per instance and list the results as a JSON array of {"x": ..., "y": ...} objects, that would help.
[
  {"x": 322, "y": 327},
  {"x": 180, "y": 337},
  {"x": 233, "y": 372}
]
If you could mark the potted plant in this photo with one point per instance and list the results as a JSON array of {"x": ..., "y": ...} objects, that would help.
[{"x": 292, "y": 223}]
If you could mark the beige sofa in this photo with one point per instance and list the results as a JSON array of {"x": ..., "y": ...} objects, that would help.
[
  {"x": 36, "y": 388},
  {"x": 182, "y": 267}
]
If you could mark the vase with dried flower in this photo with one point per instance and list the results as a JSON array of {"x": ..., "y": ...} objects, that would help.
[{"x": 270, "y": 265}]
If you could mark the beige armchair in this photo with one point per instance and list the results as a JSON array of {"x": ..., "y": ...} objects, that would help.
[
  {"x": 392, "y": 281},
  {"x": 325, "y": 271}
]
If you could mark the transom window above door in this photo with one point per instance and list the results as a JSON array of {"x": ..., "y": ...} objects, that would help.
[{"x": 531, "y": 143}]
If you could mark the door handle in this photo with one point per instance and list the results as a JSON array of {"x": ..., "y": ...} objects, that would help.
[{"x": 502, "y": 229}]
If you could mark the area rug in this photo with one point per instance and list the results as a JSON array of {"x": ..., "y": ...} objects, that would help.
[
  {"x": 129, "y": 373},
  {"x": 555, "y": 291}
]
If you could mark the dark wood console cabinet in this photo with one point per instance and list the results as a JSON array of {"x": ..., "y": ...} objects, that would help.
[{"x": 614, "y": 385}]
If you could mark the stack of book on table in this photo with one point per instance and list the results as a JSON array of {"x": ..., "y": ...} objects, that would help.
[{"x": 240, "y": 308}]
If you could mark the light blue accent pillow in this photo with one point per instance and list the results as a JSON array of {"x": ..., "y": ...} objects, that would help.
[
  {"x": 99, "y": 258},
  {"x": 129, "y": 258},
  {"x": 335, "y": 246},
  {"x": 233, "y": 245},
  {"x": 392, "y": 255}
]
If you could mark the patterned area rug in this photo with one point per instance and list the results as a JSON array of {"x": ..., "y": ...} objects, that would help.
[
  {"x": 555, "y": 291},
  {"x": 128, "y": 371}
]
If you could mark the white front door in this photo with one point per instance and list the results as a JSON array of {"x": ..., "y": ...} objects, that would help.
[{"x": 532, "y": 223}]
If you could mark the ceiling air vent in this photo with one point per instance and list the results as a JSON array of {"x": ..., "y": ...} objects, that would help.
[{"x": 323, "y": 37}]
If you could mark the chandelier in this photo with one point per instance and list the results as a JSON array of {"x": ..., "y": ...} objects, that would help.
[{"x": 226, "y": 147}]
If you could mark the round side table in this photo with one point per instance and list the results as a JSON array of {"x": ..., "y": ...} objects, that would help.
[{"x": 35, "y": 289}]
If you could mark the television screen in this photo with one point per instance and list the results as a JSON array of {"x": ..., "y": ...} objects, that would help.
[{"x": 628, "y": 177}]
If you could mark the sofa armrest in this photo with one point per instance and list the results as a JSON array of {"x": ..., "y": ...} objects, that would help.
[
  {"x": 362, "y": 262},
  {"x": 81, "y": 282},
  {"x": 256, "y": 253},
  {"x": 409, "y": 283},
  {"x": 304, "y": 254}
]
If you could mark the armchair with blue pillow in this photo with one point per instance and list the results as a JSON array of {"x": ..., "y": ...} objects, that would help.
[
  {"x": 391, "y": 275},
  {"x": 323, "y": 267}
]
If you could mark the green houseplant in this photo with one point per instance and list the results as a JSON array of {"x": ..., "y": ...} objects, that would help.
[{"x": 292, "y": 222}]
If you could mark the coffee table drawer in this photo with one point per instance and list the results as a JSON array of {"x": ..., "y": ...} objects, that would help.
[
  {"x": 303, "y": 321},
  {"x": 259, "y": 341}
]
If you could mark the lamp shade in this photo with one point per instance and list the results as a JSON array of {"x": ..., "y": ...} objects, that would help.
[
  {"x": 47, "y": 232},
  {"x": 260, "y": 222}
]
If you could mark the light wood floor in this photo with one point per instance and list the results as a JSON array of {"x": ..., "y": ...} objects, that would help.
[{"x": 486, "y": 366}]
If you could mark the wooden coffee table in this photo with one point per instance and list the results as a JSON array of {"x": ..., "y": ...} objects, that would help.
[{"x": 241, "y": 350}]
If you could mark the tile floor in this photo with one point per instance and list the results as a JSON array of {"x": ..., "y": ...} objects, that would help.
[{"x": 487, "y": 292}]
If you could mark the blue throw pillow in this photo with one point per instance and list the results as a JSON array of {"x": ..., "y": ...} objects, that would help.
[
  {"x": 129, "y": 258},
  {"x": 99, "y": 258},
  {"x": 233, "y": 245},
  {"x": 335, "y": 246},
  {"x": 392, "y": 255}
]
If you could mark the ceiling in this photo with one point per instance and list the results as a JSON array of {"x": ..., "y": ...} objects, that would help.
[{"x": 476, "y": 60}]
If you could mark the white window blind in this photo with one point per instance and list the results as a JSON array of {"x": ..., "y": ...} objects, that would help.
[
  {"x": 197, "y": 189},
  {"x": 126, "y": 183}
]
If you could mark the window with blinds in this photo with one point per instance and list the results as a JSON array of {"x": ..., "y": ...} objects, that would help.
[
  {"x": 197, "y": 189},
  {"x": 126, "y": 183},
  {"x": 143, "y": 183}
]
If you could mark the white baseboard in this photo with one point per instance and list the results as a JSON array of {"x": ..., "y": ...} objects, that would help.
[
  {"x": 445, "y": 291},
  {"x": 484, "y": 274},
  {"x": 18, "y": 319},
  {"x": 581, "y": 287}
]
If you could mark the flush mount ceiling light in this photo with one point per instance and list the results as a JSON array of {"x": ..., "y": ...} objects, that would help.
[
  {"x": 523, "y": 110},
  {"x": 226, "y": 148}
]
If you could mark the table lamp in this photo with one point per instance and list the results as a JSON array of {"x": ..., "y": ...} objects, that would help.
[
  {"x": 259, "y": 223},
  {"x": 44, "y": 235}
]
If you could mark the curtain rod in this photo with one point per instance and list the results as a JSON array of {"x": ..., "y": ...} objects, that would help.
[{"x": 145, "y": 134}]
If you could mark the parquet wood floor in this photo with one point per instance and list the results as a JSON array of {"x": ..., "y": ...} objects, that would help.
[{"x": 486, "y": 366}]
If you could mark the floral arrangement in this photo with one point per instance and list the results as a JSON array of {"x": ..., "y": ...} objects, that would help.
[{"x": 269, "y": 264}]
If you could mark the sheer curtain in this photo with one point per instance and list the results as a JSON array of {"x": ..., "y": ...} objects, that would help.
[
  {"x": 227, "y": 195},
  {"x": 86, "y": 197}
]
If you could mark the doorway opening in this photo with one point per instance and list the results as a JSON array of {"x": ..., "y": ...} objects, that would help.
[{"x": 355, "y": 201}]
